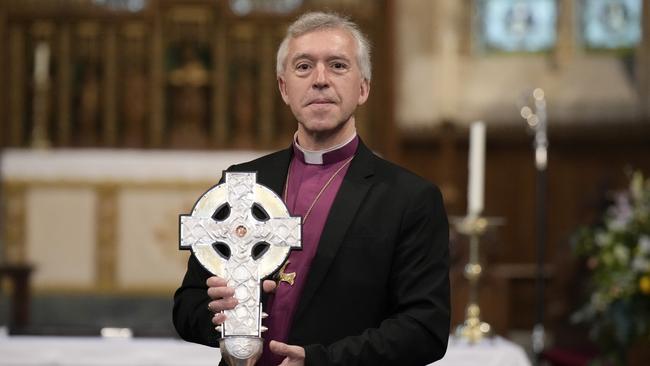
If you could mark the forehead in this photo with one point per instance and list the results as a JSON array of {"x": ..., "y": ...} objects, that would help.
[{"x": 323, "y": 43}]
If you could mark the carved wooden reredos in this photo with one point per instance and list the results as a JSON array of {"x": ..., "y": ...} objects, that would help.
[{"x": 164, "y": 73}]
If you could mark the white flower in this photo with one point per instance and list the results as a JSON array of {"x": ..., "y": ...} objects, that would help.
[
  {"x": 644, "y": 245},
  {"x": 598, "y": 301},
  {"x": 620, "y": 215},
  {"x": 617, "y": 224},
  {"x": 641, "y": 265},
  {"x": 602, "y": 239},
  {"x": 622, "y": 254}
]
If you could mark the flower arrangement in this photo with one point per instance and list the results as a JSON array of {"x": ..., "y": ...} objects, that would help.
[{"x": 617, "y": 255}]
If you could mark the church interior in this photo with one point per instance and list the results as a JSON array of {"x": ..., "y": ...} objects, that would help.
[{"x": 115, "y": 115}]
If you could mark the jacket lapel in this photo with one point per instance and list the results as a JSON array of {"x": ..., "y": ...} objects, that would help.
[
  {"x": 351, "y": 194},
  {"x": 274, "y": 174}
]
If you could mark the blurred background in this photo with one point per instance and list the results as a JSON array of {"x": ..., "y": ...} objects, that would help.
[{"x": 115, "y": 115}]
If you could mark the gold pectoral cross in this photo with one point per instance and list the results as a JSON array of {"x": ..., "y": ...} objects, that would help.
[{"x": 286, "y": 277}]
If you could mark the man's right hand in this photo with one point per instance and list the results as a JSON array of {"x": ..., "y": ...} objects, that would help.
[{"x": 223, "y": 297}]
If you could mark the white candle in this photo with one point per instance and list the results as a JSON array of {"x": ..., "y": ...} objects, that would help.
[
  {"x": 476, "y": 167},
  {"x": 41, "y": 63}
]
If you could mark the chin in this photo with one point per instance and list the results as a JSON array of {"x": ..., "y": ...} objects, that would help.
[
  {"x": 323, "y": 128},
  {"x": 324, "y": 124}
]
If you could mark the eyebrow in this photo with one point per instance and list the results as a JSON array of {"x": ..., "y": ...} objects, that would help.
[
  {"x": 300, "y": 56},
  {"x": 311, "y": 57}
]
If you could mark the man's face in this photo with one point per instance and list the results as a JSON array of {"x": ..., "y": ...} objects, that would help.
[{"x": 322, "y": 82}]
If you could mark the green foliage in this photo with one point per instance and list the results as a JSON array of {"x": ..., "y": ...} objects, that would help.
[{"x": 617, "y": 255}]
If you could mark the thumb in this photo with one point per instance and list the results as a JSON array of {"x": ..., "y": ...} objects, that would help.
[
  {"x": 269, "y": 286},
  {"x": 283, "y": 349}
]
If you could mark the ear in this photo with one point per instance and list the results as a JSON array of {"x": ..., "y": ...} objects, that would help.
[
  {"x": 282, "y": 85},
  {"x": 364, "y": 91}
]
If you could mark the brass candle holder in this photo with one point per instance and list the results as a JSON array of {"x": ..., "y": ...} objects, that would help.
[{"x": 473, "y": 329}]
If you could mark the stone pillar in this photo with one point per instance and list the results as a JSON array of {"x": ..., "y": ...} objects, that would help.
[
  {"x": 566, "y": 28},
  {"x": 448, "y": 14}
]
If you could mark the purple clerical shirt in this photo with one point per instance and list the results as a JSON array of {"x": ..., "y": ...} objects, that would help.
[{"x": 305, "y": 181}]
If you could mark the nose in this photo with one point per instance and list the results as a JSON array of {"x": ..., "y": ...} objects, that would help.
[{"x": 321, "y": 80}]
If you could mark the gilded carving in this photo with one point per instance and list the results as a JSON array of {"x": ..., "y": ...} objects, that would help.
[
  {"x": 166, "y": 231},
  {"x": 88, "y": 84},
  {"x": 106, "y": 217},
  {"x": 188, "y": 63},
  {"x": 189, "y": 84},
  {"x": 14, "y": 226},
  {"x": 134, "y": 85}
]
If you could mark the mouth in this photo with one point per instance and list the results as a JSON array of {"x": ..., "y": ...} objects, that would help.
[{"x": 320, "y": 101}]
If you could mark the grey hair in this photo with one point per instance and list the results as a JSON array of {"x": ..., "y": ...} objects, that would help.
[{"x": 314, "y": 21}]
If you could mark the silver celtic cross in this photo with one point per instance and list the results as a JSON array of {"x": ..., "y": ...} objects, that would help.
[{"x": 241, "y": 231}]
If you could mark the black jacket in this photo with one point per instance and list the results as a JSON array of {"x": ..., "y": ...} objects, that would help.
[{"x": 378, "y": 289}]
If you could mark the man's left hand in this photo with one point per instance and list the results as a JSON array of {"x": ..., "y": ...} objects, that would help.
[{"x": 293, "y": 355}]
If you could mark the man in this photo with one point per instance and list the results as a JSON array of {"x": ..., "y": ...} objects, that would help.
[{"x": 371, "y": 281}]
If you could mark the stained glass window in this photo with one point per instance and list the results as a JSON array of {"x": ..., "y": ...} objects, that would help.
[
  {"x": 128, "y": 5},
  {"x": 516, "y": 25},
  {"x": 611, "y": 24},
  {"x": 244, "y": 7}
]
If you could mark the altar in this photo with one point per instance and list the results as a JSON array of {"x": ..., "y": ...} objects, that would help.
[
  {"x": 95, "y": 351},
  {"x": 90, "y": 220}
]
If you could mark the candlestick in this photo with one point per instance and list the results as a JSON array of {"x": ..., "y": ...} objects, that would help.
[
  {"x": 476, "y": 168},
  {"x": 537, "y": 122},
  {"x": 41, "y": 95},
  {"x": 473, "y": 329},
  {"x": 41, "y": 63}
]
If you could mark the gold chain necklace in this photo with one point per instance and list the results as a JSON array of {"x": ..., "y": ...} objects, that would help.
[{"x": 286, "y": 186}]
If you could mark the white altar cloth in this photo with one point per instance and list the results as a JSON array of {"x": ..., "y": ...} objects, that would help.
[
  {"x": 96, "y": 351},
  {"x": 496, "y": 351},
  {"x": 89, "y": 220},
  {"x": 106, "y": 165}
]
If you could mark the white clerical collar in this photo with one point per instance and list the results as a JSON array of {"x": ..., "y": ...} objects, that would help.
[{"x": 316, "y": 157}]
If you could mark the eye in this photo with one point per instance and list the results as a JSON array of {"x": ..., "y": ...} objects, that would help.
[
  {"x": 339, "y": 66},
  {"x": 303, "y": 67}
]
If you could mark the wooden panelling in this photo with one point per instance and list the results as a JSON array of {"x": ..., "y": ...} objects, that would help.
[{"x": 586, "y": 164}]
